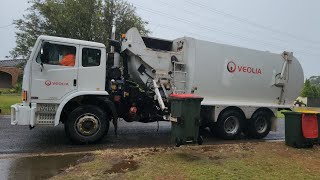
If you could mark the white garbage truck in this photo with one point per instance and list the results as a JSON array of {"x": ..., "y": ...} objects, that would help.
[{"x": 242, "y": 88}]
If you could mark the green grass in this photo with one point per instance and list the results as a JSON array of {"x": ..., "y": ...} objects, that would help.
[
  {"x": 280, "y": 115},
  {"x": 227, "y": 161},
  {"x": 6, "y": 101}
]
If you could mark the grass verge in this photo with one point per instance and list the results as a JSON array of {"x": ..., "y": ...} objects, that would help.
[
  {"x": 228, "y": 161},
  {"x": 6, "y": 101},
  {"x": 280, "y": 115}
]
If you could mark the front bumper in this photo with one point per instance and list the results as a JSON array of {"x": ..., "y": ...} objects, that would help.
[{"x": 22, "y": 115}]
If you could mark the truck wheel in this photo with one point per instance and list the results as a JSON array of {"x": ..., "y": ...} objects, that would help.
[
  {"x": 229, "y": 125},
  {"x": 259, "y": 125},
  {"x": 86, "y": 124}
]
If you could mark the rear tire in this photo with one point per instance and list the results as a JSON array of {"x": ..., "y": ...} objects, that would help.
[
  {"x": 259, "y": 125},
  {"x": 86, "y": 124},
  {"x": 229, "y": 125}
]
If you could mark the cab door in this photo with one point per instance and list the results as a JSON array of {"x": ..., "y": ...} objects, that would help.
[
  {"x": 52, "y": 78},
  {"x": 92, "y": 69}
]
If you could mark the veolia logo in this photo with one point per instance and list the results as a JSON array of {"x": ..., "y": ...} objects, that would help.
[
  {"x": 231, "y": 67},
  {"x": 55, "y": 83},
  {"x": 48, "y": 83}
]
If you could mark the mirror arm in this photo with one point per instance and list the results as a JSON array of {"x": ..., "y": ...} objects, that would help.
[{"x": 41, "y": 66}]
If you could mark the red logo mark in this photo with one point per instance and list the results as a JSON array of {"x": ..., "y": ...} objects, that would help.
[
  {"x": 48, "y": 83},
  {"x": 55, "y": 83},
  {"x": 231, "y": 67}
]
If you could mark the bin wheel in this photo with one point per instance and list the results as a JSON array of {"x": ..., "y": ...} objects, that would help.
[
  {"x": 309, "y": 146},
  {"x": 178, "y": 142},
  {"x": 200, "y": 140}
]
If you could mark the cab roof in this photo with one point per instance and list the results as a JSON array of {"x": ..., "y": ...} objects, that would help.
[{"x": 71, "y": 41}]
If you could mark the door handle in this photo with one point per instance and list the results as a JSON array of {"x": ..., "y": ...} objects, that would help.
[
  {"x": 41, "y": 67},
  {"x": 74, "y": 82}
]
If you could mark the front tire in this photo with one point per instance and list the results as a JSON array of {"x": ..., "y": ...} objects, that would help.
[
  {"x": 86, "y": 124},
  {"x": 229, "y": 125}
]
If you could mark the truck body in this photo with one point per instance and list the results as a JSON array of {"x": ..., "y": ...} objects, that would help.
[{"x": 242, "y": 88}]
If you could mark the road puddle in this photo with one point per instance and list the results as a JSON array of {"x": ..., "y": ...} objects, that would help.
[{"x": 37, "y": 167}]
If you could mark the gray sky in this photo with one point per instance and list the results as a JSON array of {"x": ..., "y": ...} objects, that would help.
[{"x": 269, "y": 25}]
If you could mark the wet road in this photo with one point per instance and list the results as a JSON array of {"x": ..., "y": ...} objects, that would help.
[
  {"x": 20, "y": 147},
  {"x": 19, "y": 139}
]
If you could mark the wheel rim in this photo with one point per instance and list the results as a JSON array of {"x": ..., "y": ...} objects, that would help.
[
  {"x": 261, "y": 125},
  {"x": 231, "y": 125},
  {"x": 87, "y": 124}
]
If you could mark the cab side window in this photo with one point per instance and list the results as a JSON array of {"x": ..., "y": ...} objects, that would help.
[
  {"x": 56, "y": 54},
  {"x": 91, "y": 57}
]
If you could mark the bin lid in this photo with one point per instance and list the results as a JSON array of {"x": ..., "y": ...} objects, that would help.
[
  {"x": 300, "y": 112},
  {"x": 185, "y": 96},
  {"x": 308, "y": 112}
]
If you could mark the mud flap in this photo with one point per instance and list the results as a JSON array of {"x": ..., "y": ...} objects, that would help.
[
  {"x": 115, "y": 124},
  {"x": 274, "y": 124},
  {"x": 112, "y": 107}
]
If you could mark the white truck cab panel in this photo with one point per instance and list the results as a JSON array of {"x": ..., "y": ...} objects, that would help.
[
  {"x": 67, "y": 99},
  {"x": 51, "y": 81}
]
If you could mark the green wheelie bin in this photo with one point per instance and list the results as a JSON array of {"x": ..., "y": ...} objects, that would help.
[
  {"x": 185, "y": 110},
  {"x": 297, "y": 133}
]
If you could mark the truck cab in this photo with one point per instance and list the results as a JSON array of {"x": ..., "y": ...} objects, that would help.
[
  {"x": 77, "y": 83},
  {"x": 59, "y": 70}
]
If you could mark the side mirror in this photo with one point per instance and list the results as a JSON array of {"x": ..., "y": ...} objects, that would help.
[
  {"x": 44, "y": 52},
  {"x": 116, "y": 44}
]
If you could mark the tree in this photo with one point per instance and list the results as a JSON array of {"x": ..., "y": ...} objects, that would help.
[
  {"x": 315, "y": 80},
  {"x": 306, "y": 91},
  {"x": 88, "y": 20},
  {"x": 310, "y": 90}
]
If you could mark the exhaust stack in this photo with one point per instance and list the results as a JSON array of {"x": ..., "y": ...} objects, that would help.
[
  {"x": 116, "y": 59},
  {"x": 113, "y": 36}
]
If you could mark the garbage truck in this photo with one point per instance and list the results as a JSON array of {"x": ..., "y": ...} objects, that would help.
[{"x": 242, "y": 88}]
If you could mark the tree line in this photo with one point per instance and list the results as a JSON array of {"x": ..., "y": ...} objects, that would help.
[
  {"x": 79, "y": 19},
  {"x": 311, "y": 87}
]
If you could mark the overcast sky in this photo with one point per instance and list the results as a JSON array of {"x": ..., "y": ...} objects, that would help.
[{"x": 269, "y": 25}]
